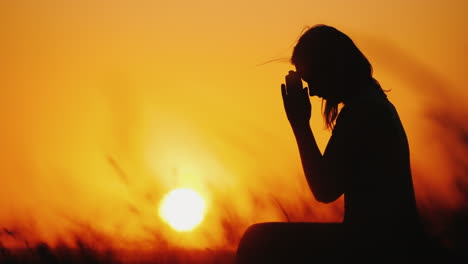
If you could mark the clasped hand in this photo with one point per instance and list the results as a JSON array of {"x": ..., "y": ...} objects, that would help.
[{"x": 296, "y": 100}]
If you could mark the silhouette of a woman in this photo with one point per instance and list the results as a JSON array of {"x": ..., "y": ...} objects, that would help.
[{"x": 366, "y": 159}]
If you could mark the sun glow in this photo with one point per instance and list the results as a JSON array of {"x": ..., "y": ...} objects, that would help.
[{"x": 182, "y": 209}]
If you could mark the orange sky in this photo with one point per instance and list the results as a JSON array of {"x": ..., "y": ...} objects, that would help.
[{"x": 172, "y": 91}]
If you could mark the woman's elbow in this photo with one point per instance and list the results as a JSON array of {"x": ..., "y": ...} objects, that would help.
[{"x": 326, "y": 197}]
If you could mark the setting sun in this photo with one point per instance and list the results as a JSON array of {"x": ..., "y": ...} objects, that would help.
[{"x": 182, "y": 209}]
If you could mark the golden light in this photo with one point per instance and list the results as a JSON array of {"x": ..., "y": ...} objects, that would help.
[{"x": 183, "y": 209}]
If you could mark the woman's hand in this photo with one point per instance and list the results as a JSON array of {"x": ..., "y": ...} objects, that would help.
[{"x": 296, "y": 101}]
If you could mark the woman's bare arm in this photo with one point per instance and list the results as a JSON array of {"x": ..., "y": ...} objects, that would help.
[
  {"x": 319, "y": 172},
  {"x": 322, "y": 181}
]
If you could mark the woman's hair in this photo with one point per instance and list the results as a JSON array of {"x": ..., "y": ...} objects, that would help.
[{"x": 333, "y": 55}]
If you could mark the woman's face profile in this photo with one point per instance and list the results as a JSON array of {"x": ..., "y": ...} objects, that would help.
[{"x": 320, "y": 82}]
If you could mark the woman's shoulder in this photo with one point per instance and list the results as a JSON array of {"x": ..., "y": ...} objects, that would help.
[
  {"x": 368, "y": 106},
  {"x": 366, "y": 113}
]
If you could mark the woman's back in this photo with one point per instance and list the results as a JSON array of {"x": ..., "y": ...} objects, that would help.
[{"x": 380, "y": 205}]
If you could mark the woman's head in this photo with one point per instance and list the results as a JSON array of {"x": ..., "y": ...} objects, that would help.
[{"x": 332, "y": 65}]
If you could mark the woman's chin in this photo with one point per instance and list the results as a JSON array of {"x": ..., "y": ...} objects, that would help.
[
  {"x": 330, "y": 99},
  {"x": 314, "y": 92}
]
